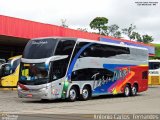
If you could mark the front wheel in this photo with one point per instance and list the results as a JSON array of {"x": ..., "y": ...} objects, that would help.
[
  {"x": 72, "y": 94},
  {"x": 127, "y": 91}
]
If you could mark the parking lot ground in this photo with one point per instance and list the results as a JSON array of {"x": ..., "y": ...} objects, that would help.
[{"x": 144, "y": 103}]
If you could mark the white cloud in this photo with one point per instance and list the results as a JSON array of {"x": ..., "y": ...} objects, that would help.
[{"x": 80, "y": 12}]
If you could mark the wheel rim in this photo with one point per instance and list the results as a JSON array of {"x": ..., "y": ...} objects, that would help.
[
  {"x": 85, "y": 93},
  {"x": 134, "y": 90},
  {"x": 127, "y": 91},
  {"x": 72, "y": 94}
]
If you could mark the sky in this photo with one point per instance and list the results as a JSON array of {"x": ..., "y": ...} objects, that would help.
[{"x": 79, "y": 13}]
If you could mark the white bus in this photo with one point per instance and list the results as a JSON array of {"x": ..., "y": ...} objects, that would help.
[
  {"x": 73, "y": 68},
  {"x": 154, "y": 72}
]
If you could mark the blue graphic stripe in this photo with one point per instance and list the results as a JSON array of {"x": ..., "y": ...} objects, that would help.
[
  {"x": 103, "y": 88},
  {"x": 113, "y": 66},
  {"x": 75, "y": 59}
]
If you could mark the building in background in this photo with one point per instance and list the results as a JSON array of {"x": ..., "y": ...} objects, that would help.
[{"x": 15, "y": 32}]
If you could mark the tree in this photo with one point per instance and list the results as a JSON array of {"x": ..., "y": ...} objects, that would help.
[
  {"x": 99, "y": 23},
  {"x": 128, "y": 31},
  {"x": 141, "y": 38},
  {"x": 136, "y": 36},
  {"x": 117, "y": 34},
  {"x": 112, "y": 29},
  {"x": 147, "y": 39}
]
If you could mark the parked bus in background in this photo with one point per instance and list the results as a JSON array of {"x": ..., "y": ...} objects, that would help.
[
  {"x": 9, "y": 72},
  {"x": 54, "y": 68},
  {"x": 154, "y": 72}
]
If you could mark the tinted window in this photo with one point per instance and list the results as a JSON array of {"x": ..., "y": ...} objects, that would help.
[
  {"x": 65, "y": 47},
  {"x": 93, "y": 74},
  {"x": 154, "y": 65},
  {"x": 145, "y": 75},
  {"x": 59, "y": 68},
  {"x": 37, "y": 49},
  {"x": 100, "y": 50}
]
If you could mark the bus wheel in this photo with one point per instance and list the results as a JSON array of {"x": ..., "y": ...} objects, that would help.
[
  {"x": 72, "y": 94},
  {"x": 127, "y": 91},
  {"x": 134, "y": 90},
  {"x": 85, "y": 93}
]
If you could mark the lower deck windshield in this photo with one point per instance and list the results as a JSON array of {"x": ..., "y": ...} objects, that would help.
[{"x": 33, "y": 73}]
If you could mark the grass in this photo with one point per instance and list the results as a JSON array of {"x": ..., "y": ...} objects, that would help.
[{"x": 157, "y": 49}]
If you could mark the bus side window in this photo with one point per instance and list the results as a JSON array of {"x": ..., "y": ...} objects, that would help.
[
  {"x": 144, "y": 75},
  {"x": 99, "y": 50},
  {"x": 59, "y": 69}
]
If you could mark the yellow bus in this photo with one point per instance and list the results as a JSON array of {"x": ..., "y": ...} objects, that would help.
[
  {"x": 9, "y": 72},
  {"x": 154, "y": 72}
]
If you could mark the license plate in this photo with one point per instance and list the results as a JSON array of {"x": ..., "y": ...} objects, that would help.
[{"x": 29, "y": 95}]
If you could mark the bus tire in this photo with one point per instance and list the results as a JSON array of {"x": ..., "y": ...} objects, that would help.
[
  {"x": 86, "y": 93},
  {"x": 72, "y": 94},
  {"x": 134, "y": 90},
  {"x": 127, "y": 91}
]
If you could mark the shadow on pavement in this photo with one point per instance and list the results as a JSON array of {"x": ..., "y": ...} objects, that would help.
[{"x": 65, "y": 100}]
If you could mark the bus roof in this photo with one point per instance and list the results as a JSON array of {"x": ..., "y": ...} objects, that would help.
[
  {"x": 88, "y": 40},
  {"x": 107, "y": 43},
  {"x": 154, "y": 60},
  {"x": 18, "y": 56}
]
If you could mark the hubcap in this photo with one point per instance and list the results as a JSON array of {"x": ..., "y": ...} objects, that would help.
[
  {"x": 85, "y": 93},
  {"x": 72, "y": 94},
  {"x": 127, "y": 91},
  {"x": 134, "y": 90}
]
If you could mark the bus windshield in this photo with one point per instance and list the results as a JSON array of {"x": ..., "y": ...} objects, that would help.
[
  {"x": 154, "y": 65},
  {"x": 36, "y": 49},
  {"x": 33, "y": 73}
]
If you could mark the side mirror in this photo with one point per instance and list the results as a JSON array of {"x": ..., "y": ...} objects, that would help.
[{"x": 5, "y": 69}]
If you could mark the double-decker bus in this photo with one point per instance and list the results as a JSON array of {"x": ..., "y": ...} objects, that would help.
[
  {"x": 154, "y": 72},
  {"x": 74, "y": 68}
]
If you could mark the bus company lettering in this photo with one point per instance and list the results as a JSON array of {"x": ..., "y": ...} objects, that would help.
[{"x": 119, "y": 74}]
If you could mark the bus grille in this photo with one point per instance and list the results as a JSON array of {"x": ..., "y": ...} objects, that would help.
[{"x": 155, "y": 80}]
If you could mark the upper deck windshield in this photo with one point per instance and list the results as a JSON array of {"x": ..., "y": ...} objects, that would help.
[{"x": 41, "y": 48}]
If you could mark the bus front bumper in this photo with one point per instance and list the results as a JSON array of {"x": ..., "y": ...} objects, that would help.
[{"x": 34, "y": 94}]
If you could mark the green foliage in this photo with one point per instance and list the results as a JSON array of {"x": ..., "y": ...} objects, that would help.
[
  {"x": 147, "y": 39},
  {"x": 157, "y": 50},
  {"x": 100, "y": 24},
  {"x": 117, "y": 34},
  {"x": 128, "y": 31},
  {"x": 136, "y": 36},
  {"x": 113, "y": 30},
  {"x": 139, "y": 38}
]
